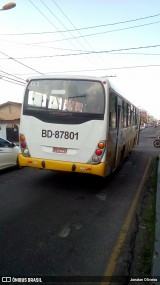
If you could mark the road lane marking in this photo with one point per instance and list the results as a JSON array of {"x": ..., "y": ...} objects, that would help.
[
  {"x": 101, "y": 196},
  {"x": 123, "y": 233},
  {"x": 65, "y": 231}
]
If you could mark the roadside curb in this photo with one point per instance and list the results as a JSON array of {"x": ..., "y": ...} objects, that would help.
[{"x": 156, "y": 256}]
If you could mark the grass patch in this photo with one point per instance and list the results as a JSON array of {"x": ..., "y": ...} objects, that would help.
[{"x": 149, "y": 219}]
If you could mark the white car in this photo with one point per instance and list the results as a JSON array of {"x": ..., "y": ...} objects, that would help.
[
  {"x": 8, "y": 154},
  {"x": 142, "y": 127}
]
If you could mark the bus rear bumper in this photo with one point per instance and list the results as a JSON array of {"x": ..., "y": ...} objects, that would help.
[{"x": 57, "y": 165}]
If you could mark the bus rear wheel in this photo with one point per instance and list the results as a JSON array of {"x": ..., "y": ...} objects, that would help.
[{"x": 121, "y": 159}]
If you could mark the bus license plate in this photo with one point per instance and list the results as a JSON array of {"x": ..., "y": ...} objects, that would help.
[{"x": 59, "y": 149}]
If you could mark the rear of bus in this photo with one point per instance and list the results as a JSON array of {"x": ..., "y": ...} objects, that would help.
[{"x": 63, "y": 125}]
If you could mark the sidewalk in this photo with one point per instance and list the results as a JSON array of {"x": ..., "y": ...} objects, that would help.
[{"x": 156, "y": 258}]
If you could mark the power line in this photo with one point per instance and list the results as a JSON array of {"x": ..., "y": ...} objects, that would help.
[
  {"x": 79, "y": 29},
  {"x": 105, "y": 69},
  {"x": 21, "y": 63},
  {"x": 94, "y": 52},
  {"x": 50, "y": 20},
  {"x": 17, "y": 81},
  {"x": 62, "y": 22},
  {"x": 83, "y": 36},
  {"x": 43, "y": 15},
  {"x": 12, "y": 75},
  {"x": 100, "y": 33},
  {"x": 116, "y": 53},
  {"x": 113, "y": 51},
  {"x": 54, "y": 25},
  {"x": 136, "y": 53},
  {"x": 85, "y": 40},
  {"x": 11, "y": 80},
  {"x": 30, "y": 44},
  {"x": 97, "y": 69}
]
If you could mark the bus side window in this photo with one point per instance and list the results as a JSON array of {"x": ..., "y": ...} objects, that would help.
[
  {"x": 137, "y": 116},
  {"x": 113, "y": 111},
  {"x": 124, "y": 107},
  {"x": 134, "y": 116},
  {"x": 129, "y": 114},
  {"x": 122, "y": 118}
]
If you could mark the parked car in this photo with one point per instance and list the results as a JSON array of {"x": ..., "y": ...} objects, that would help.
[
  {"x": 142, "y": 127},
  {"x": 8, "y": 154}
]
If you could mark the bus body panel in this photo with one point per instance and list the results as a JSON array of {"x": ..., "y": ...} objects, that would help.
[
  {"x": 75, "y": 143},
  {"x": 68, "y": 145},
  {"x": 102, "y": 169}
]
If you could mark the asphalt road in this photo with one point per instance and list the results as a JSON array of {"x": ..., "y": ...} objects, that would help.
[{"x": 61, "y": 224}]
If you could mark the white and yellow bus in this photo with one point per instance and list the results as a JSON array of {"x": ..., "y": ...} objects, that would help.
[{"x": 76, "y": 124}]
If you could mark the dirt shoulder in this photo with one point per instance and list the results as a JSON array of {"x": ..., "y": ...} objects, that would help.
[{"x": 141, "y": 265}]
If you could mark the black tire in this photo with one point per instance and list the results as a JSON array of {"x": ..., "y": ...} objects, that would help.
[
  {"x": 156, "y": 143},
  {"x": 18, "y": 166},
  {"x": 121, "y": 159}
]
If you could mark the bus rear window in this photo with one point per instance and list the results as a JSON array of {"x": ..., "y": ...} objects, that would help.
[{"x": 76, "y": 96}]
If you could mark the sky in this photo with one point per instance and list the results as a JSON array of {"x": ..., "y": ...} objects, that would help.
[{"x": 119, "y": 39}]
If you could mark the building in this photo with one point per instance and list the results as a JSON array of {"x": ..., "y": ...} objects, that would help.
[{"x": 10, "y": 120}]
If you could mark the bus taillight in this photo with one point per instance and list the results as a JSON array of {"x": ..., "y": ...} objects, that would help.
[
  {"x": 101, "y": 145},
  {"x": 98, "y": 152},
  {"x": 22, "y": 138},
  {"x": 96, "y": 158},
  {"x": 23, "y": 145}
]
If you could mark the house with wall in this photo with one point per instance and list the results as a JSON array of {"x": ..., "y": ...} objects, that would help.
[{"x": 10, "y": 120}]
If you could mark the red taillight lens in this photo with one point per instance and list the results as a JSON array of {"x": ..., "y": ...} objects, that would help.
[
  {"x": 23, "y": 145},
  {"x": 98, "y": 152}
]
